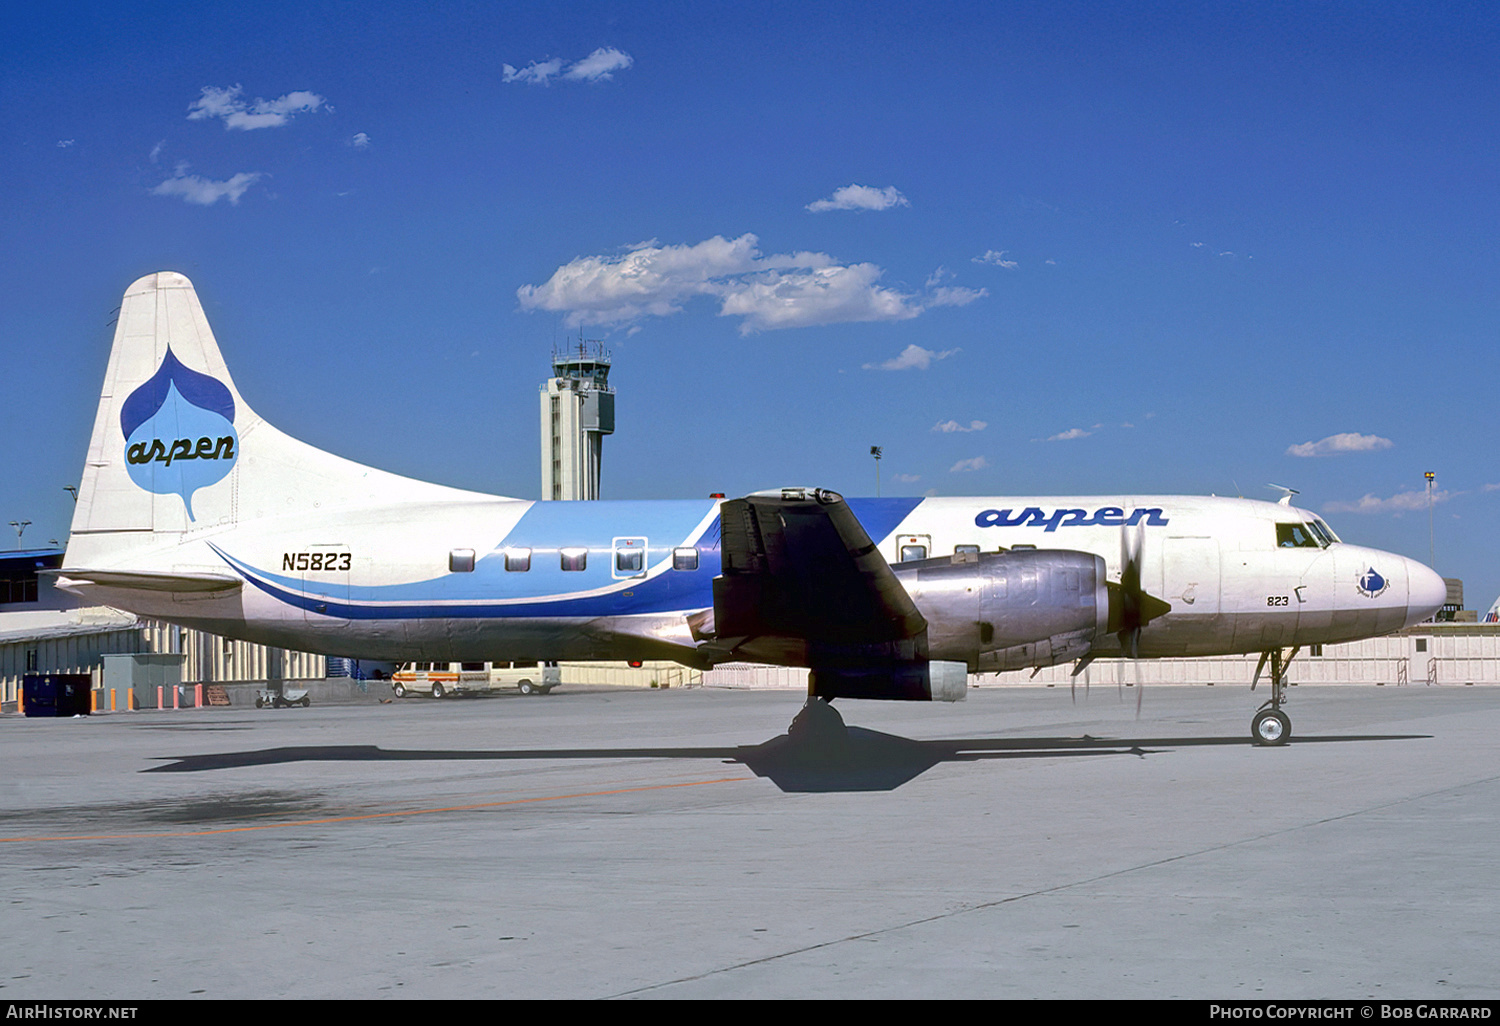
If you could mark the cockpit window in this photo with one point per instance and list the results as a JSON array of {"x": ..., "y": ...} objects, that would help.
[
  {"x": 1296, "y": 536},
  {"x": 1327, "y": 531}
]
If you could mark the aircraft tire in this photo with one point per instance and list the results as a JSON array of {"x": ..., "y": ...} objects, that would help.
[{"x": 1271, "y": 727}]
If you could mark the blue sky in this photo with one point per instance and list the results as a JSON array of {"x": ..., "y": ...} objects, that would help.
[{"x": 1026, "y": 248}]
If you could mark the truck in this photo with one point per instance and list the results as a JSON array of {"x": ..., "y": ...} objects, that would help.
[{"x": 439, "y": 680}]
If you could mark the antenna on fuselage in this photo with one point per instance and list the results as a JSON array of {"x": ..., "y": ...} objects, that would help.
[{"x": 1286, "y": 494}]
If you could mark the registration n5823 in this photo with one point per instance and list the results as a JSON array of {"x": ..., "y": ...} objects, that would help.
[{"x": 316, "y": 560}]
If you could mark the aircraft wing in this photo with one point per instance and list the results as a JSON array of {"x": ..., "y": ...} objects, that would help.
[{"x": 797, "y": 564}]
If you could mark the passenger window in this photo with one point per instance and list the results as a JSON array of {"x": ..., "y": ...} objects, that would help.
[
  {"x": 518, "y": 560},
  {"x": 912, "y": 553},
  {"x": 461, "y": 561},
  {"x": 629, "y": 561},
  {"x": 966, "y": 550},
  {"x": 685, "y": 558},
  {"x": 575, "y": 559}
]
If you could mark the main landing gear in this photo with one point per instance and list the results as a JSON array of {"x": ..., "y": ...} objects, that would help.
[{"x": 1271, "y": 726}]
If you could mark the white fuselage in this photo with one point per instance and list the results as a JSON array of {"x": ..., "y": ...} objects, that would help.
[{"x": 392, "y": 582}]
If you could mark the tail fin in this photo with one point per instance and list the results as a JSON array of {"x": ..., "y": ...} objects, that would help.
[{"x": 176, "y": 450}]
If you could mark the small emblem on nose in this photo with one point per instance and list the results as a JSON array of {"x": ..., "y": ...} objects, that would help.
[{"x": 1371, "y": 583}]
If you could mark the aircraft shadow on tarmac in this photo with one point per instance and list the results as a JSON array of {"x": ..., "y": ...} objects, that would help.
[{"x": 817, "y": 753}]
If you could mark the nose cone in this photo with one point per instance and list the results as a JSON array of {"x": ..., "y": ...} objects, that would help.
[{"x": 1425, "y": 593}]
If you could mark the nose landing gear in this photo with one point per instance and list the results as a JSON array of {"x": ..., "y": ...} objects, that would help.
[{"x": 1271, "y": 726}]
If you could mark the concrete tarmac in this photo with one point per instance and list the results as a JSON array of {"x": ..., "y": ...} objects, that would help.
[{"x": 679, "y": 844}]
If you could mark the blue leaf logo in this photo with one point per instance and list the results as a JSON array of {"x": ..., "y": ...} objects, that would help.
[
  {"x": 179, "y": 432},
  {"x": 1371, "y": 583}
]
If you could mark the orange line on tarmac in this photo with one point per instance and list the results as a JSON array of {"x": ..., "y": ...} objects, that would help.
[{"x": 371, "y": 815}]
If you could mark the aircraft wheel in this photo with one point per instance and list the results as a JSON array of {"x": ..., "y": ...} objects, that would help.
[
  {"x": 1271, "y": 727},
  {"x": 437, "y": 691},
  {"x": 399, "y": 689},
  {"x": 525, "y": 687}
]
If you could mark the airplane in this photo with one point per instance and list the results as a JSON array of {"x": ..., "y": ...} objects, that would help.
[{"x": 194, "y": 510}]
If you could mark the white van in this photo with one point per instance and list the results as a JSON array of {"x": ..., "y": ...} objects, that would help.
[{"x": 441, "y": 679}]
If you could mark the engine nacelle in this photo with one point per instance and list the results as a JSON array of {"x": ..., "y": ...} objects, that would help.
[
  {"x": 925, "y": 681},
  {"x": 1007, "y": 610}
]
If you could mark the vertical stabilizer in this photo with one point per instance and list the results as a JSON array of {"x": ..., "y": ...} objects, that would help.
[
  {"x": 175, "y": 450},
  {"x": 165, "y": 445}
]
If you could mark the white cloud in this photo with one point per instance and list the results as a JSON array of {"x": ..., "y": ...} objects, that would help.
[
  {"x": 360, "y": 141},
  {"x": 1401, "y": 502},
  {"x": 817, "y": 295},
  {"x": 948, "y": 427},
  {"x": 1069, "y": 435},
  {"x": 228, "y": 105},
  {"x": 790, "y": 290},
  {"x": 205, "y": 191},
  {"x": 964, "y": 466},
  {"x": 953, "y": 295},
  {"x": 1339, "y": 445},
  {"x": 1490, "y": 488},
  {"x": 156, "y": 151},
  {"x": 63, "y": 144},
  {"x": 536, "y": 72},
  {"x": 599, "y": 66},
  {"x": 996, "y": 257},
  {"x": 906, "y": 478},
  {"x": 648, "y": 280},
  {"x": 913, "y": 357},
  {"x": 860, "y": 197}
]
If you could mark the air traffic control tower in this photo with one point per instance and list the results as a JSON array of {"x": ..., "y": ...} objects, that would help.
[{"x": 578, "y": 410}]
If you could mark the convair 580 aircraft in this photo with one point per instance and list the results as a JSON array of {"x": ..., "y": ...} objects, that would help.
[{"x": 194, "y": 510}]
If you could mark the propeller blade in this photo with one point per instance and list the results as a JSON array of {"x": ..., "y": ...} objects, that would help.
[{"x": 1131, "y": 607}]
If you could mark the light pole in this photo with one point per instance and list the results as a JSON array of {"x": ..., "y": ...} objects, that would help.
[
  {"x": 20, "y": 526},
  {"x": 1431, "y": 536},
  {"x": 875, "y": 451}
]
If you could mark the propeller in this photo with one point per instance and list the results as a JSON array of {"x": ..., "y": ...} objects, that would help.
[{"x": 1131, "y": 607}]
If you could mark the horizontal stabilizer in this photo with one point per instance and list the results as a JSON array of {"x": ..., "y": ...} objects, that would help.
[{"x": 149, "y": 581}]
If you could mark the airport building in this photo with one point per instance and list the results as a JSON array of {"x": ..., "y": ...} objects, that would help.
[
  {"x": 1427, "y": 654},
  {"x": 43, "y": 630},
  {"x": 578, "y": 410}
]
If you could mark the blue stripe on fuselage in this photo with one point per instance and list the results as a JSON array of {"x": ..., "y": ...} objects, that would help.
[
  {"x": 546, "y": 589},
  {"x": 881, "y": 517}
]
